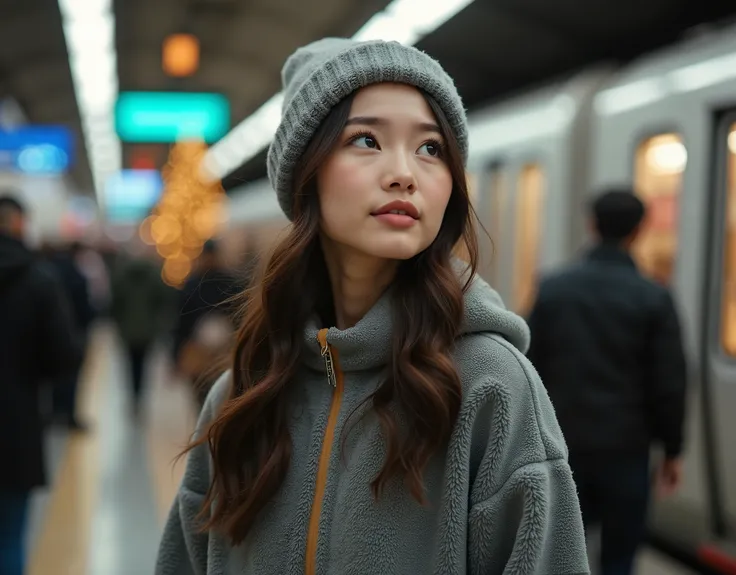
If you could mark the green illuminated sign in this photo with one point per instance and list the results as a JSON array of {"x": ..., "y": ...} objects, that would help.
[{"x": 167, "y": 117}]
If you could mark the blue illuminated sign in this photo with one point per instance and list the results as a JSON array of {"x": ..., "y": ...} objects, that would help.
[
  {"x": 130, "y": 195},
  {"x": 167, "y": 117},
  {"x": 36, "y": 149}
]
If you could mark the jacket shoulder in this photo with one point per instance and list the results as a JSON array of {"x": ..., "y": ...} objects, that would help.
[
  {"x": 506, "y": 412},
  {"x": 561, "y": 280},
  {"x": 42, "y": 280},
  {"x": 216, "y": 397},
  {"x": 199, "y": 464}
]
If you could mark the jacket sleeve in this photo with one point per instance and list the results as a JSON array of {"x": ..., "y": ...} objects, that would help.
[
  {"x": 59, "y": 346},
  {"x": 667, "y": 383},
  {"x": 542, "y": 533},
  {"x": 184, "y": 549},
  {"x": 524, "y": 516}
]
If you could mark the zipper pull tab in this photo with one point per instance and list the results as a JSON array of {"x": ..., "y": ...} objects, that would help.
[
  {"x": 326, "y": 354},
  {"x": 329, "y": 365}
]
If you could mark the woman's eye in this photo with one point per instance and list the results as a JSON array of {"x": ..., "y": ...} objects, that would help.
[
  {"x": 365, "y": 142},
  {"x": 431, "y": 149}
]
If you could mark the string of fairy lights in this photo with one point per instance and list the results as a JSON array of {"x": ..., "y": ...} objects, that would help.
[{"x": 189, "y": 212}]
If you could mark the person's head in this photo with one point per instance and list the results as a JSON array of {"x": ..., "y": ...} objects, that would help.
[
  {"x": 364, "y": 125},
  {"x": 12, "y": 217},
  {"x": 616, "y": 217}
]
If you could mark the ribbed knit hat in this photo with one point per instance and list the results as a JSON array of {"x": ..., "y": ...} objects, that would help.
[{"x": 318, "y": 76}]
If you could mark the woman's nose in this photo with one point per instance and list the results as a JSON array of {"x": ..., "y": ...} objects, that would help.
[{"x": 399, "y": 176}]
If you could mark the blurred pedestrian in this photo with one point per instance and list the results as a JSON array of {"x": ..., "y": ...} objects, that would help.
[
  {"x": 607, "y": 344},
  {"x": 38, "y": 343}
]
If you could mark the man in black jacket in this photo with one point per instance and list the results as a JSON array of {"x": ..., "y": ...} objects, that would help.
[
  {"x": 37, "y": 344},
  {"x": 606, "y": 342}
]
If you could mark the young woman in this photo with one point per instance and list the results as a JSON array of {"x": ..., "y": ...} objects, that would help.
[{"x": 380, "y": 416}]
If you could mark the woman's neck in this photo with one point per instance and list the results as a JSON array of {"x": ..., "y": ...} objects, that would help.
[{"x": 358, "y": 280}]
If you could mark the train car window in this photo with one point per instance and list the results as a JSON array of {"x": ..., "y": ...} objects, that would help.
[
  {"x": 529, "y": 218},
  {"x": 659, "y": 164},
  {"x": 498, "y": 196},
  {"x": 728, "y": 310}
]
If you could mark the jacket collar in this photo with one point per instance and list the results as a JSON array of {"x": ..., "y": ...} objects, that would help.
[
  {"x": 368, "y": 344},
  {"x": 611, "y": 253}
]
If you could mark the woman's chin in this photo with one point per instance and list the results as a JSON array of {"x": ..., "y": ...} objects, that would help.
[{"x": 394, "y": 250}]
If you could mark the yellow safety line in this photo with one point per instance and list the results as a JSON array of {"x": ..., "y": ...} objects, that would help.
[{"x": 63, "y": 545}]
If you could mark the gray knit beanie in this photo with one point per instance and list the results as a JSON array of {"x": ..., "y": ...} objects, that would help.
[{"x": 318, "y": 76}]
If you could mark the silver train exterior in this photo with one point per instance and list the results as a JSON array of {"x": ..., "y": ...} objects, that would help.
[{"x": 662, "y": 123}]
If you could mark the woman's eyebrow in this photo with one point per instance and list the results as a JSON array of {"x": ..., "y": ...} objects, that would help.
[{"x": 375, "y": 121}]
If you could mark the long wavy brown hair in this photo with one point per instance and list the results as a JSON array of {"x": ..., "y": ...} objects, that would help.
[{"x": 249, "y": 439}]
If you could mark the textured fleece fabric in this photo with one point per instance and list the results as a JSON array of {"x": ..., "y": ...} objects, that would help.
[
  {"x": 318, "y": 76},
  {"x": 501, "y": 495}
]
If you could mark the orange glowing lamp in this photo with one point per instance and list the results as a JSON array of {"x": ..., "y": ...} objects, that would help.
[{"x": 180, "y": 55}]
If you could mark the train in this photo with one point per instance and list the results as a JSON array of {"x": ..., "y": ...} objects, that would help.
[{"x": 664, "y": 125}]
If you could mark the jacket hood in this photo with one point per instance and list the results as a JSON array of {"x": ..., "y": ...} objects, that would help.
[
  {"x": 485, "y": 312},
  {"x": 367, "y": 345},
  {"x": 15, "y": 258}
]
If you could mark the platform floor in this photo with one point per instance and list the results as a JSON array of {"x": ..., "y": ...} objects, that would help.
[{"x": 113, "y": 486}]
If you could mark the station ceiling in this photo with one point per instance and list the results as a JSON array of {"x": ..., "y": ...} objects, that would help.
[
  {"x": 496, "y": 48},
  {"x": 34, "y": 70},
  {"x": 493, "y": 48}
]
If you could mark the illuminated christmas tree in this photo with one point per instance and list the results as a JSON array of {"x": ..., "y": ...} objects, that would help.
[{"x": 189, "y": 212}]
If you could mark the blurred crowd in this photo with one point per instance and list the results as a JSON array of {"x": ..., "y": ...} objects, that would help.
[{"x": 51, "y": 299}]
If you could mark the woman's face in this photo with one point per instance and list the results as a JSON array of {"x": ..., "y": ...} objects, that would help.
[{"x": 384, "y": 188}]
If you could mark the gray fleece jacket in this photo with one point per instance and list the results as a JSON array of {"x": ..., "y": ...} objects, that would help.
[{"x": 501, "y": 496}]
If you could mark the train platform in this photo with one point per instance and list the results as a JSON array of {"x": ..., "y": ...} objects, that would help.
[{"x": 113, "y": 486}]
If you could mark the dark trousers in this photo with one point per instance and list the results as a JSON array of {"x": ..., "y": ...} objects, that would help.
[
  {"x": 13, "y": 516},
  {"x": 614, "y": 493},
  {"x": 137, "y": 354}
]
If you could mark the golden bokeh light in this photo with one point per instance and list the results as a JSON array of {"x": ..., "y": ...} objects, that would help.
[
  {"x": 167, "y": 251},
  {"x": 145, "y": 231},
  {"x": 206, "y": 220},
  {"x": 192, "y": 252},
  {"x": 166, "y": 229},
  {"x": 189, "y": 213},
  {"x": 178, "y": 265}
]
